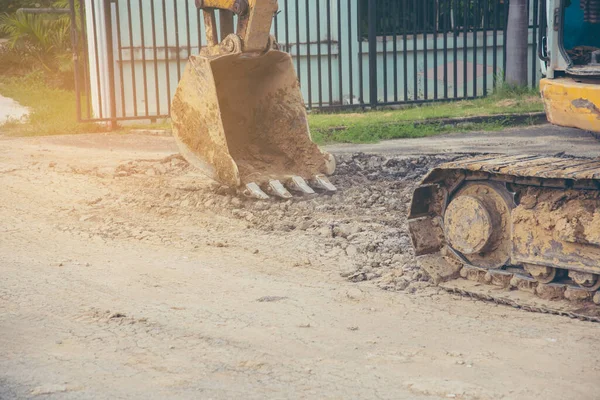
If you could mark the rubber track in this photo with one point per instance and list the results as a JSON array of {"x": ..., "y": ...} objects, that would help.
[
  {"x": 528, "y": 170},
  {"x": 511, "y": 168}
]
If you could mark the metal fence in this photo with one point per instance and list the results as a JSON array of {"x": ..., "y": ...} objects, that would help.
[{"x": 130, "y": 54}]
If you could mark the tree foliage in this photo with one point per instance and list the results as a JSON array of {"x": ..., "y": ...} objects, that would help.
[
  {"x": 11, "y": 6},
  {"x": 37, "y": 41}
]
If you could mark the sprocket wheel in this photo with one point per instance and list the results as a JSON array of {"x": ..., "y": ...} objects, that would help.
[{"x": 477, "y": 223}]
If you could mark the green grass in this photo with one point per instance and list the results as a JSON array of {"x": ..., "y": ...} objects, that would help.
[
  {"x": 373, "y": 126},
  {"x": 53, "y": 113},
  {"x": 52, "y": 110}
]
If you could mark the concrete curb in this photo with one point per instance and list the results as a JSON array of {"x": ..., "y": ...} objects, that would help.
[
  {"x": 151, "y": 132},
  {"x": 536, "y": 118}
]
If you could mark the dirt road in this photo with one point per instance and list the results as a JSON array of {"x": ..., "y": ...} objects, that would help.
[{"x": 127, "y": 275}]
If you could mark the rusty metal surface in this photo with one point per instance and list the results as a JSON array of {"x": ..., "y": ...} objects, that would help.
[
  {"x": 239, "y": 7},
  {"x": 243, "y": 119},
  {"x": 525, "y": 166},
  {"x": 254, "y": 21},
  {"x": 586, "y": 280},
  {"x": 257, "y": 30},
  {"x": 497, "y": 203},
  {"x": 468, "y": 224},
  {"x": 541, "y": 273},
  {"x": 551, "y": 227},
  {"x": 197, "y": 124},
  {"x": 427, "y": 234},
  {"x": 571, "y": 103},
  {"x": 238, "y": 113},
  {"x": 553, "y": 231}
]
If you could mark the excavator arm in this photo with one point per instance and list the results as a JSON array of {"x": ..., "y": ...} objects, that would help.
[{"x": 253, "y": 26}]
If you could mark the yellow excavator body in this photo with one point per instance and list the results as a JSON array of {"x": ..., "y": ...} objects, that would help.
[
  {"x": 572, "y": 103},
  {"x": 238, "y": 114}
]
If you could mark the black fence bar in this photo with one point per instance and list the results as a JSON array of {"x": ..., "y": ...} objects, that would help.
[
  {"x": 408, "y": 52},
  {"x": 287, "y": 25},
  {"x": 298, "y": 41},
  {"x": 329, "y": 62},
  {"x": 395, "y": 15},
  {"x": 86, "y": 64},
  {"x": 425, "y": 55},
  {"x": 485, "y": 30},
  {"x": 384, "y": 10},
  {"x": 372, "y": 17},
  {"x": 455, "y": 49},
  {"x": 111, "y": 65},
  {"x": 188, "y": 32},
  {"x": 361, "y": 89},
  {"x": 340, "y": 52},
  {"x": 415, "y": 58},
  {"x": 465, "y": 48},
  {"x": 120, "y": 61},
  {"x": 308, "y": 60},
  {"x": 155, "y": 54},
  {"x": 350, "y": 56},
  {"x": 319, "y": 69},
  {"x": 504, "y": 39},
  {"x": 476, "y": 18},
  {"x": 435, "y": 50},
  {"x": 534, "y": 60},
  {"x": 404, "y": 50},
  {"x": 495, "y": 44},
  {"x": 76, "y": 56},
  {"x": 144, "y": 71},
  {"x": 166, "y": 47},
  {"x": 131, "y": 59},
  {"x": 275, "y": 25},
  {"x": 97, "y": 62},
  {"x": 178, "y": 49},
  {"x": 445, "y": 25}
]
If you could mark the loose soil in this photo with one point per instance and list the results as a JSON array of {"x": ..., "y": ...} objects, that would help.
[{"x": 127, "y": 274}]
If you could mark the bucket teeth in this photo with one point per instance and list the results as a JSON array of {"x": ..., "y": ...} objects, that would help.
[
  {"x": 298, "y": 184},
  {"x": 276, "y": 188},
  {"x": 321, "y": 182},
  {"x": 253, "y": 190}
]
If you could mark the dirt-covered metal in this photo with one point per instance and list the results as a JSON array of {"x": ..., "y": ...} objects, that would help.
[
  {"x": 544, "y": 213},
  {"x": 238, "y": 113},
  {"x": 569, "y": 102}
]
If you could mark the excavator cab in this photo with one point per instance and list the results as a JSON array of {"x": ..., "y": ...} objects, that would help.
[{"x": 238, "y": 113}]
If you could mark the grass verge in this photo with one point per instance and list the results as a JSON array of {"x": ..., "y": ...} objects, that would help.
[
  {"x": 373, "y": 126},
  {"x": 53, "y": 112}
]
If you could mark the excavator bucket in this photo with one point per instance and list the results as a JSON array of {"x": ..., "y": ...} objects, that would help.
[{"x": 240, "y": 118}]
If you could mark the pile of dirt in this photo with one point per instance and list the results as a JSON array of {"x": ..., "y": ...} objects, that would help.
[
  {"x": 363, "y": 225},
  {"x": 365, "y": 219}
]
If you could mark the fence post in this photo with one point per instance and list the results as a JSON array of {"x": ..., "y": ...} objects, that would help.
[
  {"x": 372, "y": 18},
  {"x": 111, "y": 64},
  {"x": 75, "y": 49}
]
